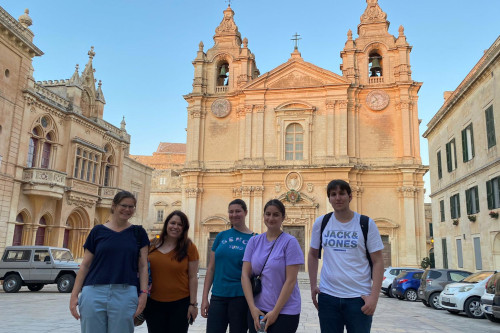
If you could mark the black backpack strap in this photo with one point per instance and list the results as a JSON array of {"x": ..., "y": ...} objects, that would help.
[
  {"x": 363, "y": 221},
  {"x": 326, "y": 218}
]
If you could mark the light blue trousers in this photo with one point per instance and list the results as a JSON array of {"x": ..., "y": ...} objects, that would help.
[{"x": 108, "y": 308}]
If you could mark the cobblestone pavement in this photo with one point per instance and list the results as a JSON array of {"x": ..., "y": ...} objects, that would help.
[{"x": 47, "y": 311}]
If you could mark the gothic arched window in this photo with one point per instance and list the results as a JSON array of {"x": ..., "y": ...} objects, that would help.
[
  {"x": 40, "y": 233},
  {"x": 294, "y": 142},
  {"x": 18, "y": 230},
  {"x": 41, "y": 143}
]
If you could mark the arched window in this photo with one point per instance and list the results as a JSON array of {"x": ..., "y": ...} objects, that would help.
[
  {"x": 40, "y": 233},
  {"x": 41, "y": 143},
  {"x": 18, "y": 230},
  {"x": 294, "y": 142},
  {"x": 375, "y": 63},
  {"x": 46, "y": 149},
  {"x": 33, "y": 148}
]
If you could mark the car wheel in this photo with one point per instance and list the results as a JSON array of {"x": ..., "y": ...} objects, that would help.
[
  {"x": 426, "y": 303},
  {"x": 35, "y": 286},
  {"x": 12, "y": 283},
  {"x": 411, "y": 295},
  {"x": 434, "y": 301},
  {"x": 65, "y": 283},
  {"x": 453, "y": 311},
  {"x": 389, "y": 292},
  {"x": 400, "y": 297},
  {"x": 492, "y": 318},
  {"x": 472, "y": 308}
]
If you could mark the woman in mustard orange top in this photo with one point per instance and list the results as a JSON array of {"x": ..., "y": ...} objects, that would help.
[{"x": 173, "y": 261}]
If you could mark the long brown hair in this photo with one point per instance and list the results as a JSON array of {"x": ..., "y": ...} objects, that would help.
[{"x": 183, "y": 242}]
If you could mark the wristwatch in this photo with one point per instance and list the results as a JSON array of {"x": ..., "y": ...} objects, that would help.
[{"x": 195, "y": 304}]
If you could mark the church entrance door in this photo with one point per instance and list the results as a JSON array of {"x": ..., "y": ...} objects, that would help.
[{"x": 299, "y": 233}]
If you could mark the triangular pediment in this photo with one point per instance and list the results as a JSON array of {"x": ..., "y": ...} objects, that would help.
[{"x": 296, "y": 74}]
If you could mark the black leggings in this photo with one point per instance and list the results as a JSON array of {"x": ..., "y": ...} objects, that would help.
[
  {"x": 283, "y": 324},
  {"x": 167, "y": 317},
  {"x": 227, "y": 310}
]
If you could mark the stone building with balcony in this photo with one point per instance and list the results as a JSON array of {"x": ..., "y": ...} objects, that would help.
[
  {"x": 61, "y": 163},
  {"x": 286, "y": 133},
  {"x": 465, "y": 169},
  {"x": 166, "y": 183}
]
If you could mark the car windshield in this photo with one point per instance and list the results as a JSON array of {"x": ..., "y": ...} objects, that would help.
[
  {"x": 61, "y": 255},
  {"x": 477, "y": 277}
]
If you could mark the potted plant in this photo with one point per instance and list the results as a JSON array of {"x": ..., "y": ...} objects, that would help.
[
  {"x": 494, "y": 214},
  {"x": 455, "y": 221},
  {"x": 472, "y": 218}
]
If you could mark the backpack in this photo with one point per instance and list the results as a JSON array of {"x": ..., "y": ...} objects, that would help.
[{"x": 363, "y": 221}]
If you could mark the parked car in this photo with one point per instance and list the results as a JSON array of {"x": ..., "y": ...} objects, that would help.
[
  {"x": 496, "y": 299},
  {"x": 389, "y": 274},
  {"x": 406, "y": 284},
  {"x": 433, "y": 282},
  {"x": 466, "y": 295},
  {"x": 36, "y": 266},
  {"x": 487, "y": 298}
]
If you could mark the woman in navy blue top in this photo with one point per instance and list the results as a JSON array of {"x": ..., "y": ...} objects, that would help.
[{"x": 114, "y": 264}]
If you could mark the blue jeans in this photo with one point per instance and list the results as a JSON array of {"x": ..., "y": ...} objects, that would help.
[
  {"x": 108, "y": 308},
  {"x": 335, "y": 313}
]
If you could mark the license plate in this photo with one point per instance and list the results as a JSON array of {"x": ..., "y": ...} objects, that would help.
[{"x": 445, "y": 299}]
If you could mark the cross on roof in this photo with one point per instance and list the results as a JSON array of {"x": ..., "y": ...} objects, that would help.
[
  {"x": 296, "y": 39},
  {"x": 228, "y": 2}
]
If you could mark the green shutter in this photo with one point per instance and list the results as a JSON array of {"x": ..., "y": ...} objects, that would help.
[
  {"x": 452, "y": 207},
  {"x": 489, "y": 194},
  {"x": 441, "y": 209},
  {"x": 440, "y": 167},
  {"x": 458, "y": 204},
  {"x": 472, "y": 140},
  {"x": 454, "y": 152},
  {"x": 476, "y": 198},
  {"x": 490, "y": 127},
  {"x": 464, "y": 145},
  {"x": 448, "y": 157},
  {"x": 468, "y": 201}
]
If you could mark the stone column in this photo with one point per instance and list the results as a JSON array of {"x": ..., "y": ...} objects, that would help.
[
  {"x": 246, "y": 196},
  {"x": 259, "y": 133},
  {"x": 411, "y": 233},
  {"x": 248, "y": 133},
  {"x": 331, "y": 132},
  {"x": 258, "y": 214},
  {"x": 192, "y": 194}
]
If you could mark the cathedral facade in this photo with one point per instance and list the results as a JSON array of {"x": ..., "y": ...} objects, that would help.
[
  {"x": 61, "y": 163},
  {"x": 286, "y": 133}
]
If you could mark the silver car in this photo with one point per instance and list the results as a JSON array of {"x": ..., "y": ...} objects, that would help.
[{"x": 36, "y": 266}]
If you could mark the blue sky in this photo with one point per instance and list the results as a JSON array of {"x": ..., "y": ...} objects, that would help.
[{"x": 144, "y": 48}]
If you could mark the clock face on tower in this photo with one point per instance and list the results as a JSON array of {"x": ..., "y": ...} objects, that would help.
[
  {"x": 221, "y": 107},
  {"x": 377, "y": 100}
]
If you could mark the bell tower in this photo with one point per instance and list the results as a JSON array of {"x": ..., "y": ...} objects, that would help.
[
  {"x": 228, "y": 65},
  {"x": 376, "y": 57}
]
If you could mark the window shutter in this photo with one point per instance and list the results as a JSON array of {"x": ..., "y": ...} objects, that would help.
[
  {"x": 490, "y": 127},
  {"x": 468, "y": 201},
  {"x": 472, "y": 140},
  {"x": 489, "y": 194},
  {"x": 454, "y": 152},
  {"x": 441, "y": 209},
  {"x": 440, "y": 167},
  {"x": 448, "y": 156},
  {"x": 458, "y": 204},
  {"x": 452, "y": 207},
  {"x": 464, "y": 145},
  {"x": 476, "y": 199}
]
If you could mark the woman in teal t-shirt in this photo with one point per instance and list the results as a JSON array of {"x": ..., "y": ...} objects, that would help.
[{"x": 227, "y": 304}]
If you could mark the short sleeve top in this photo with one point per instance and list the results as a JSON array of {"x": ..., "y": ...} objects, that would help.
[{"x": 116, "y": 255}]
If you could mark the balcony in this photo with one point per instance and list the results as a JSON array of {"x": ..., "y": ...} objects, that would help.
[
  {"x": 221, "y": 89},
  {"x": 106, "y": 195},
  {"x": 43, "y": 182},
  {"x": 376, "y": 80}
]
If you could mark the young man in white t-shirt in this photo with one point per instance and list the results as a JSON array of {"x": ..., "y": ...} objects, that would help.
[{"x": 349, "y": 288}]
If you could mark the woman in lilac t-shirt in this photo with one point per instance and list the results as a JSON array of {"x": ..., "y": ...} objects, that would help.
[{"x": 279, "y": 301}]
